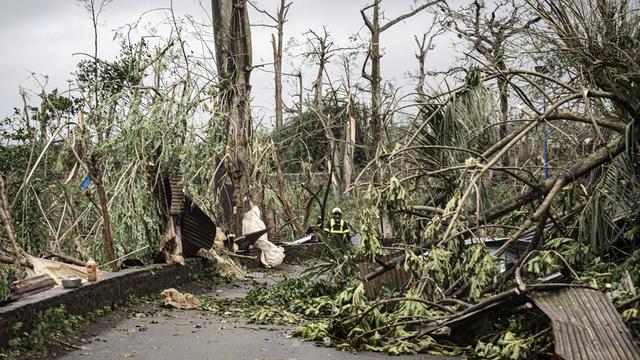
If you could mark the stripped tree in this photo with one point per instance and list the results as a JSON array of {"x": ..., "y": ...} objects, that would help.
[
  {"x": 277, "y": 41},
  {"x": 489, "y": 32},
  {"x": 375, "y": 79},
  {"x": 232, "y": 33}
]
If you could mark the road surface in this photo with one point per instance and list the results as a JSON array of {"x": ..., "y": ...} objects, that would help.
[{"x": 147, "y": 332}]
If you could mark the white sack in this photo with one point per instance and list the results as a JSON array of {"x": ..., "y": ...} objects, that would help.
[{"x": 271, "y": 255}]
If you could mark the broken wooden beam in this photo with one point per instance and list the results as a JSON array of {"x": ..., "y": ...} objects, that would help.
[
  {"x": 66, "y": 258},
  {"x": 31, "y": 285}
]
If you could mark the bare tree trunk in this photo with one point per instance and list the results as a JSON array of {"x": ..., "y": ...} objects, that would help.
[
  {"x": 504, "y": 103},
  {"x": 421, "y": 56},
  {"x": 94, "y": 22},
  {"x": 300, "y": 97},
  {"x": 25, "y": 109},
  {"x": 424, "y": 46},
  {"x": 349, "y": 152},
  {"x": 375, "y": 126},
  {"x": 96, "y": 177},
  {"x": 317, "y": 86},
  {"x": 277, "y": 67},
  {"x": 322, "y": 50},
  {"x": 277, "y": 44},
  {"x": 232, "y": 35},
  {"x": 5, "y": 215},
  {"x": 375, "y": 79},
  {"x": 349, "y": 147}
]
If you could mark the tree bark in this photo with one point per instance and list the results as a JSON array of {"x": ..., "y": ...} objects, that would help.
[
  {"x": 349, "y": 152},
  {"x": 97, "y": 178},
  {"x": 277, "y": 44},
  {"x": 375, "y": 79},
  {"x": 503, "y": 90},
  {"x": 300, "y": 97},
  {"x": 277, "y": 67},
  {"x": 5, "y": 215},
  {"x": 375, "y": 125},
  {"x": 232, "y": 34}
]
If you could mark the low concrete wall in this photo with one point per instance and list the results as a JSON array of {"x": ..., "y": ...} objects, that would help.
[
  {"x": 294, "y": 255},
  {"x": 297, "y": 254},
  {"x": 110, "y": 289}
]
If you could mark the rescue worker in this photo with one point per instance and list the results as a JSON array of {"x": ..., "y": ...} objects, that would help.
[{"x": 337, "y": 225}]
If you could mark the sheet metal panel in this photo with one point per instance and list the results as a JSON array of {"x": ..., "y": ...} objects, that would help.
[
  {"x": 396, "y": 278},
  {"x": 586, "y": 325},
  {"x": 197, "y": 230},
  {"x": 176, "y": 196}
]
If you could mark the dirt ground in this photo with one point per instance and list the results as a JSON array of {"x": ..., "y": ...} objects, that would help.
[{"x": 147, "y": 331}]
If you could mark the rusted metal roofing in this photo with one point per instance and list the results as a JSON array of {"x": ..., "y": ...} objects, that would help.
[
  {"x": 197, "y": 230},
  {"x": 586, "y": 325},
  {"x": 396, "y": 278},
  {"x": 176, "y": 196}
]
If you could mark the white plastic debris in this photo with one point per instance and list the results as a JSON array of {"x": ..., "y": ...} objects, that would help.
[{"x": 271, "y": 255}]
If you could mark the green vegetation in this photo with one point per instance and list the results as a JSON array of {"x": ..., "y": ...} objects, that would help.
[
  {"x": 518, "y": 162},
  {"x": 51, "y": 324}
]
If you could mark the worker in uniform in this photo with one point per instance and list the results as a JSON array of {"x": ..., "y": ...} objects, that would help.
[{"x": 337, "y": 225}]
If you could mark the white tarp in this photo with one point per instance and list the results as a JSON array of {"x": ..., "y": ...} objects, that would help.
[
  {"x": 271, "y": 255},
  {"x": 57, "y": 270}
]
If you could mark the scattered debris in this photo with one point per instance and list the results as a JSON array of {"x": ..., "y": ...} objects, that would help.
[
  {"x": 71, "y": 282},
  {"x": 31, "y": 285},
  {"x": 185, "y": 301},
  {"x": 247, "y": 241},
  {"x": 302, "y": 240},
  {"x": 57, "y": 270},
  {"x": 271, "y": 255},
  {"x": 171, "y": 244},
  {"x": 227, "y": 268}
]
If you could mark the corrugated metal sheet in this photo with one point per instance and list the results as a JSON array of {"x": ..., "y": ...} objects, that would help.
[
  {"x": 197, "y": 230},
  {"x": 396, "y": 278},
  {"x": 586, "y": 325},
  {"x": 176, "y": 196}
]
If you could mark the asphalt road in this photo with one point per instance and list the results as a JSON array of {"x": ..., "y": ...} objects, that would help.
[
  {"x": 143, "y": 332},
  {"x": 196, "y": 335}
]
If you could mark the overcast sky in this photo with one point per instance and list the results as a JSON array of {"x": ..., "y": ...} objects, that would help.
[{"x": 42, "y": 37}]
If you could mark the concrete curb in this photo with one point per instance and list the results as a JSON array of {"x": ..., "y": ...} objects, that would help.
[
  {"x": 111, "y": 289},
  {"x": 299, "y": 253}
]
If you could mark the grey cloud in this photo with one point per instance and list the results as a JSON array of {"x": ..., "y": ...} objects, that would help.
[{"x": 41, "y": 36}]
